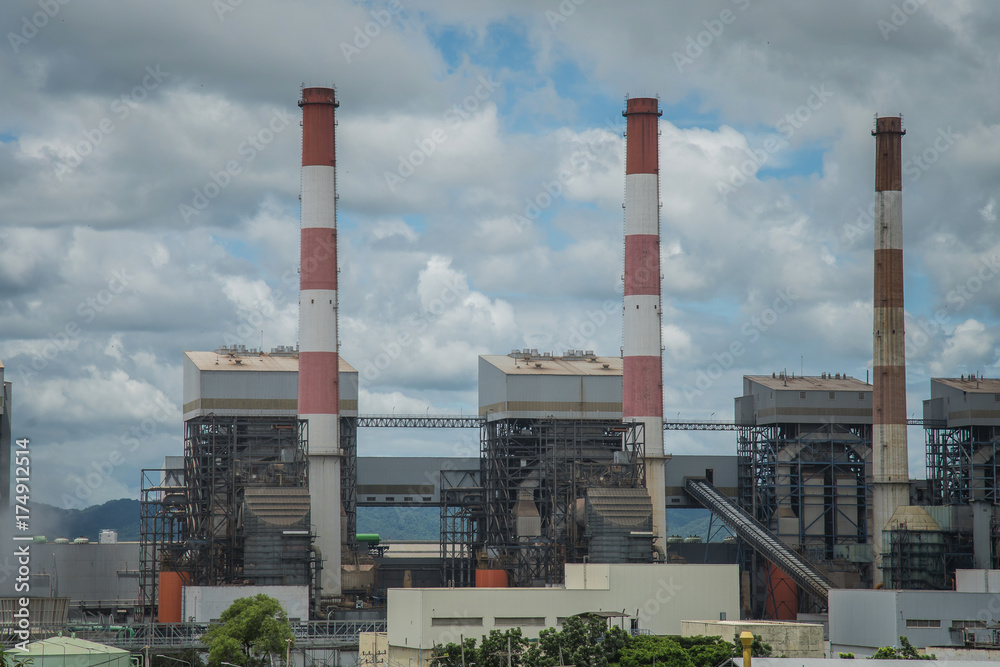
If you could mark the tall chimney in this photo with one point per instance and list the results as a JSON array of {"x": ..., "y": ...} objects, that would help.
[
  {"x": 319, "y": 377},
  {"x": 642, "y": 375},
  {"x": 890, "y": 474}
]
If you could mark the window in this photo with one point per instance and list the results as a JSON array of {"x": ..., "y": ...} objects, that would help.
[
  {"x": 408, "y": 499},
  {"x": 956, "y": 625},
  {"x": 833, "y": 394},
  {"x": 923, "y": 623},
  {"x": 519, "y": 621},
  {"x": 456, "y": 620},
  {"x": 427, "y": 499},
  {"x": 996, "y": 397},
  {"x": 802, "y": 394},
  {"x": 370, "y": 499},
  {"x": 861, "y": 395},
  {"x": 390, "y": 499}
]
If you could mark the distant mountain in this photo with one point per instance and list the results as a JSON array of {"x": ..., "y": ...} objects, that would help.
[
  {"x": 120, "y": 515},
  {"x": 685, "y": 522},
  {"x": 396, "y": 523},
  {"x": 401, "y": 523}
]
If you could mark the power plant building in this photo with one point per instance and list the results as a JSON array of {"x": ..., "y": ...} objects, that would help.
[
  {"x": 804, "y": 458},
  {"x": 238, "y": 512},
  {"x": 962, "y": 431},
  {"x": 561, "y": 475}
]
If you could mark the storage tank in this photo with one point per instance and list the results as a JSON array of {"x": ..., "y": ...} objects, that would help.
[
  {"x": 171, "y": 596},
  {"x": 491, "y": 578},
  {"x": 782, "y": 595}
]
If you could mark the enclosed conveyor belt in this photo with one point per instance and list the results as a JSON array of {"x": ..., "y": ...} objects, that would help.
[{"x": 760, "y": 538}]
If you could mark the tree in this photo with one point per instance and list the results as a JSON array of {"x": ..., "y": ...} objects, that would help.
[
  {"x": 904, "y": 652},
  {"x": 10, "y": 659},
  {"x": 251, "y": 632},
  {"x": 757, "y": 650}
]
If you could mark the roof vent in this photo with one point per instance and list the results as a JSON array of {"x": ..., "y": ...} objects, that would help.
[{"x": 538, "y": 365}]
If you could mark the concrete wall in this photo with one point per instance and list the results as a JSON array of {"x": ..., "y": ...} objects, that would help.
[
  {"x": 206, "y": 603},
  {"x": 863, "y": 620},
  {"x": 794, "y": 640},
  {"x": 977, "y": 581},
  {"x": 658, "y": 597}
]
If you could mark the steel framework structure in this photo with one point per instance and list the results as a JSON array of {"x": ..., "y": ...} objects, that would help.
[
  {"x": 808, "y": 483},
  {"x": 549, "y": 462},
  {"x": 962, "y": 465},
  {"x": 222, "y": 457},
  {"x": 463, "y": 514},
  {"x": 349, "y": 478},
  {"x": 162, "y": 518}
]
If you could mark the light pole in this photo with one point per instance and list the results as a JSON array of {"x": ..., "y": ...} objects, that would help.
[
  {"x": 288, "y": 650},
  {"x": 223, "y": 662},
  {"x": 167, "y": 657}
]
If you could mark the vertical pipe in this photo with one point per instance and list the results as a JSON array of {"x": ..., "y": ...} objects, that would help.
[
  {"x": 642, "y": 374},
  {"x": 890, "y": 474},
  {"x": 318, "y": 396}
]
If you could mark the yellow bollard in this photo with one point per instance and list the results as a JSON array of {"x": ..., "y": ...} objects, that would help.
[{"x": 746, "y": 638}]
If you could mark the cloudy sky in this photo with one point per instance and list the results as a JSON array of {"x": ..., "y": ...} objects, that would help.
[{"x": 149, "y": 175}]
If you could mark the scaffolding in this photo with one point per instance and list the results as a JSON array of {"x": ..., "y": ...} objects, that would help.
[
  {"x": 807, "y": 483},
  {"x": 962, "y": 464},
  {"x": 535, "y": 471}
]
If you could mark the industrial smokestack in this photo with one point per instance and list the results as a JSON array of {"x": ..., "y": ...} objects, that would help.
[
  {"x": 890, "y": 474},
  {"x": 642, "y": 375},
  {"x": 319, "y": 377}
]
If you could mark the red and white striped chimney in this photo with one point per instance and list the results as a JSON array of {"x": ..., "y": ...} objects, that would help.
[
  {"x": 642, "y": 376},
  {"x": 890, "y": 473},
  {"x": 319, "y": 377}
]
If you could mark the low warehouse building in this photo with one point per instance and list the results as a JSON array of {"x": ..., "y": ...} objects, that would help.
[{"x": 655, "y": 598}]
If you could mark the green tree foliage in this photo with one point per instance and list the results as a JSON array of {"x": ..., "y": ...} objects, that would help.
[
  {"x": 757, "y": 650},
  {"x": 170, "y": 658},
  {"x": 582, "y": 641},
  {"x": 904, "y": 652},
  {"x": 252, "y": 631},
  {"x": 10, "y": 659}
]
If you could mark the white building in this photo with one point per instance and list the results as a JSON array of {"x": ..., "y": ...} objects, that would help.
[{"x": 654, "y": 597}]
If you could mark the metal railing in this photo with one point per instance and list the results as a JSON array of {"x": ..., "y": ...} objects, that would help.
[{"x": 163, "y": 636}]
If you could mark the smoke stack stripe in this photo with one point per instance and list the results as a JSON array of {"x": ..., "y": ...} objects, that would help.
[
  {"x": 890, "y": 473},
  {"x": 642, "y": 376},
  {"x": 318, "y": 392}
]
